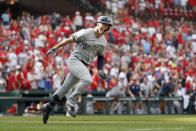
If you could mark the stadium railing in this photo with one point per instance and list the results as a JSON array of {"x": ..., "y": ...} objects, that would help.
[
  {"x": 128, "y": 100},
  {"x": 99, "y": 100}
]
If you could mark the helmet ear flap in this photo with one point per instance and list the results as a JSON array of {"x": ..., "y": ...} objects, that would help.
[{"x": 108, "y": 28}]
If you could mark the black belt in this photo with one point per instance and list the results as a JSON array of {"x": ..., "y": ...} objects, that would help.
[{"x": 82, "y": 61}]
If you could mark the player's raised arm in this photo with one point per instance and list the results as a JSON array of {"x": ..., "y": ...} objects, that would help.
[{"x": 60, "y": 44}]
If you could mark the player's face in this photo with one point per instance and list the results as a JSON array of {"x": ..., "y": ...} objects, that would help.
[{"x": 102, "y": 28}]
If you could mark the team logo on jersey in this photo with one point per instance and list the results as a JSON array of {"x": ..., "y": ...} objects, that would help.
[{"x": 84, "y": 45}]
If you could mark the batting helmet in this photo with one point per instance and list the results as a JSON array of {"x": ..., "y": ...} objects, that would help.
[{"x": 105, "y": 20}]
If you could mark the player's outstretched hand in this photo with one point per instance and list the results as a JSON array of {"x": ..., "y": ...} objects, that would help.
[
  {"x": 50, "y": 52},
  {"x": 102, "y": 75}
]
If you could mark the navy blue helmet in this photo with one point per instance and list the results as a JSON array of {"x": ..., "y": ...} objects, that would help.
[{"x": 105, "y": 20}]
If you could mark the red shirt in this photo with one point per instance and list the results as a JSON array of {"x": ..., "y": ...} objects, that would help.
[
  {"x": 48, "y": 33},
  {"x": 29, "y": 66},
  {"x": 37, "y": 31},
  {"x": 134, "y": 59},
  {"x": 169, "y": 2},
  {"x": 14, "y": 28},
  {"x": 180, "y": 39},
  {"x": 185, "y": 63},
  {"x": 108, "y": 57},
  {"x": 12, "y": 82},
  {"x": 68, "y": 21},
  {"x": 3, "y": 57},
  {"x": 19, "y": 49},
  {"x": 95, "y": 81},
  {"x": 24, "y": 71},
  {"x": 156, "y": 23},
  {"x": 121, "y": 38},
  {"x": 187, "y": 85},
  {"x": 12, "y": 110},
  {"x": 192, "y": 2},
  {"x": 51, "y": 42},
  {"x": 67, "y": 30},
  {"x": 112, "y": 84},
  {"x": 115, "y": 33},
  {"x": 149, "y": 23},
  {"x": 19, "y": 77}
]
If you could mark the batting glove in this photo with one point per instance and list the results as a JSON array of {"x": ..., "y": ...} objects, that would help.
[
  {"x": 102, "y": 75},
  {"x": 50, "y": 52}
]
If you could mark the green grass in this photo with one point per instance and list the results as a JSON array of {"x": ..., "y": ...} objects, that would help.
[{"x": 101, "y": 123}]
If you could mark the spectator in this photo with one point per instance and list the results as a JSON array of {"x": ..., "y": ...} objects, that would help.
[
  {"x": 112, "y": 82},
  {"x": 146, "y": 89},
  {"x": 114, "y": 93},
  {"x": 114, "y": 6},
  {"x": 171, "y": 51},
  {"x": 3, "y": 56},
  {"x": 6, "y": 19},
  {"x": 23, "y": 57},
  {"x": 47, "y": 81},
  {"x": 12, "y": 110},
  {"x": 155, "y": 105},
  {"x": 12, "y": 59},
  {"x": 89, "y": 20},
  {"x": 40, "y": 78},
  {"x": 38, "y": 66},
  {"x": 31, "y": 76},
  {"x": 134, "y": 91},
  {"x": 3, "y": 83},
  {"x": 54, "y": 19},
  {"x": 12, "y": 85},
  {"x": 77, "y": 21},
  {"x": 89, "y": 105},
  {"x": 183, "y": 3},
  {"x": 146, "y": 45},
  {"x": 58, "y": 78},
  {"x": 114, "y": 71},
  {"x": 169, "y": 89},
  {"x": 32, "y": 110},
  {"x": 180, "y": 92}
]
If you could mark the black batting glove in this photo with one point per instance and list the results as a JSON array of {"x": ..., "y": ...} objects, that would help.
[
  {"x": 102, "y": 74},
  {"x": 50, "y": 52}
]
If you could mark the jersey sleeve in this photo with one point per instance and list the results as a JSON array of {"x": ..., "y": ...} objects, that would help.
[{"x": 79, "y": 36}]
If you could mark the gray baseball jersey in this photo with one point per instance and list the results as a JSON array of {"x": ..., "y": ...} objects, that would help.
[{"x": 88, "y": 46}]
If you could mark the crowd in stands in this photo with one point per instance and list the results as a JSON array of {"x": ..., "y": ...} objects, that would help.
[
  {"x": 151, "y": 58},
  {"x": 151, "y": 8}
]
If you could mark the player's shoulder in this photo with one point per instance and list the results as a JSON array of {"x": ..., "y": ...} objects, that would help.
[{"x": 86, "y": 30}]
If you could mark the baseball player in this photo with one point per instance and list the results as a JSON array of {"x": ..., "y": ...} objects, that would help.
[{"x": 89, "y": 44}]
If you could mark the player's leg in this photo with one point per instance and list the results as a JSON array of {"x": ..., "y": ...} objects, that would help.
[
  {"x": 69, "y": 82},
  {"x": 81, "y": 71}
]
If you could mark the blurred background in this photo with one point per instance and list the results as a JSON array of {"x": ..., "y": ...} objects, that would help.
[{"x": 150, "y": 59}]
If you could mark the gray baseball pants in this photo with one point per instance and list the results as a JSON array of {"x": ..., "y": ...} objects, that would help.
[{"x": 78, "y": 72}]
